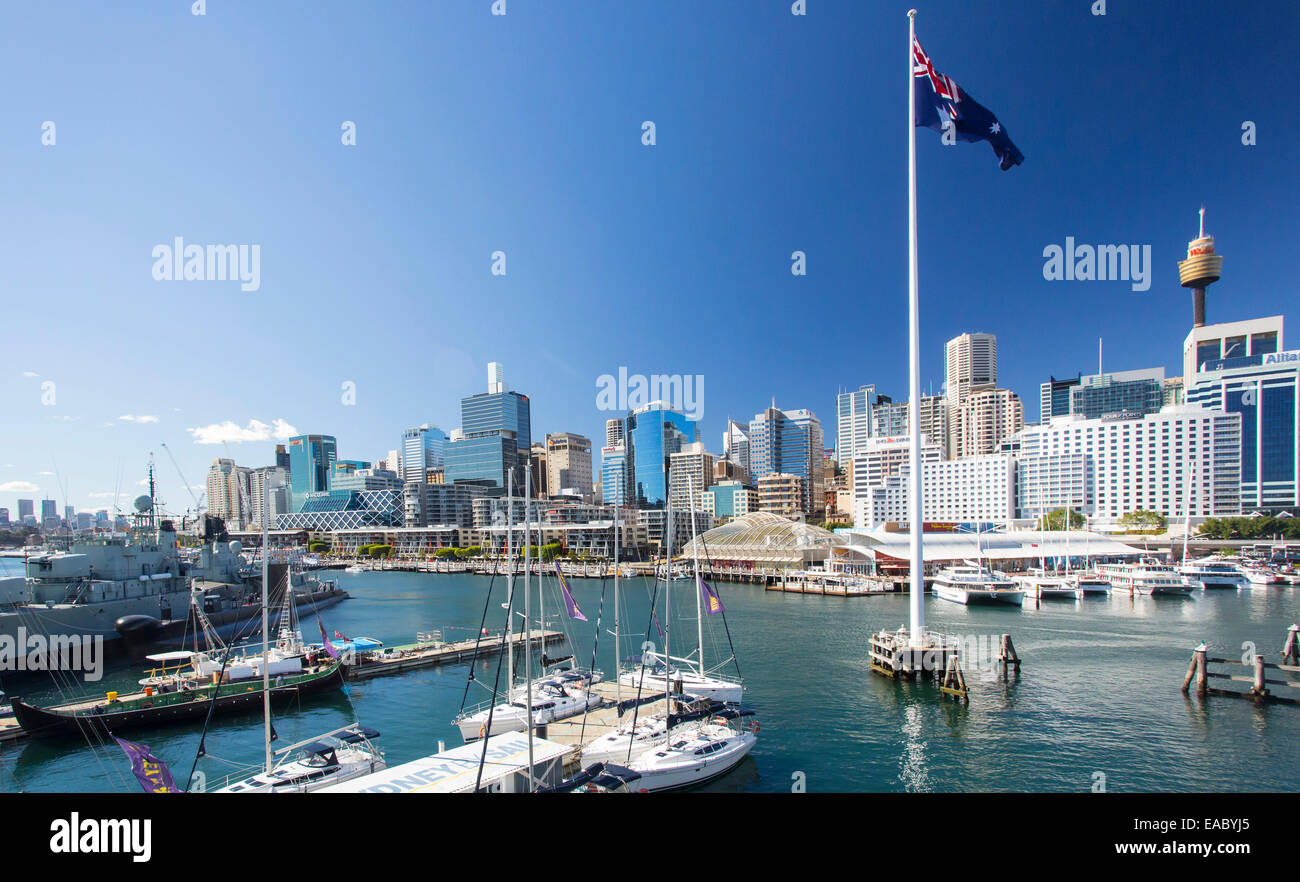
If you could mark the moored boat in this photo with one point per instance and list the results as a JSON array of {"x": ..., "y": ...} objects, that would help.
[{"x": 975, "y": 583}]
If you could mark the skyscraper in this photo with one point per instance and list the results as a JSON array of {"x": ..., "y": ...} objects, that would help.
[
  {"x": 423, "y": 447},
  {"x": 985, "y": 418},
  {"x": 230, "y": 494},
  {"x": 853, "y": 423},
  {"x": 735, "y": 446},
  {"x": 26, "y": 510},
  {"x": 496, "y": 435},
  {"x": 568, "y": 464},
  {"x": 310, "y": 459},
  {"x": 614, "y": 477},
  {"x": 654, "y": 433},
  {"x": 790, "y": 443},
  {"x": 970, "y": 363},
  {"x": 613, "y": 431}
]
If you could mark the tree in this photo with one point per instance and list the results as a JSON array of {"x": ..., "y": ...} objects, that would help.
[
  {"x": 1055, "y": 520},
  {"x": 1144, "y": 521}
]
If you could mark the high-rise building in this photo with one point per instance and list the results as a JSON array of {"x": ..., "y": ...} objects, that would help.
[
  {"x": 790, "y": 442},
  {"x": 934, "y": 422},
  {"x": 1054, "y": 397},
  {"x": 1257, "y": 379},
  {"x": 654, "y": 433},
  {"x": 613, "y": 431},
  {"x": 977, "y": 490},
  {"x": 853, "y": 420},
  {"x": 69, "y": 516},
  {"x": 985, "y": 418},
  {"x": 542, "y": 486},
  {"x": 1178, "y": 462},
  {"x": 495, "y": 437},
  {"x": 731, "y": 499},
  {"x": 229, "y": 493},
  {"x": 888, "y": 419},
  {"x": 4, "y": 518},
  {"x": 281, "y": 458},
  {"x": 423, "y": 447},
  {"x": 310, "y": 460},
  {"x": 26, "y": 510},
  {"x": 568, "y": 464},
  {"x": 1135, "y": 392},
  {"x": 735, "y": 446},
  {"x": 690, "y": 474},
  {"x": 268, "y": 489},
  {"x": 884, "y": 458},
  {"x": 49, "y": 510},
  {"x": 614, "y": 475},
  {"x": 970, "y": 363}
]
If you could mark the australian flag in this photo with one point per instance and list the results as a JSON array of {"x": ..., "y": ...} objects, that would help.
[{"x": 940, "y": 101}]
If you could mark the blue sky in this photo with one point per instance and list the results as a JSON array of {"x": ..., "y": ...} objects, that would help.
[{"x": 522, "y": 133}]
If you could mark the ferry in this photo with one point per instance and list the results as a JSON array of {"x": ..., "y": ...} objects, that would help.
[
  {"x": 1147, "y": 577},
  {"x": 1043, "y": 585},
  {"x": 1207, "y": 574},
  {"x": 1091, "y": 582},
  {"x": 973, "y": 583}
]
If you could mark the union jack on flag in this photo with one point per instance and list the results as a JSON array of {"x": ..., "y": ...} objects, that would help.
[{"x": 941, "y": 104}]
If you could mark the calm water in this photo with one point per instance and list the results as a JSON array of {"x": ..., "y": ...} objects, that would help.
[{"x": 1098, "y": 692}]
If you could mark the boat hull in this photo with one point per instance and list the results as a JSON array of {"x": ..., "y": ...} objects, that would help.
[{"x": 55, "y": 723}]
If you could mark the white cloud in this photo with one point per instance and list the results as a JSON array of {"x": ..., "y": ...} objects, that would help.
[
  {"x": 18, "y": 487},
  {"x": 30, "y": 374},
  {"x": 231, "y": 432},
  {"x": 132, "y": 418}
]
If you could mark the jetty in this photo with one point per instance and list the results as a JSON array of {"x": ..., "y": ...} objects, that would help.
[
  {"x": 1198, "y": 672},
  {"x": 429, "y": 650}
]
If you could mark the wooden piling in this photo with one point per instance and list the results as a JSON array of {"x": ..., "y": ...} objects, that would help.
[
  {"x": 1291, "y": 649},
  {"x": 954, "y": 682},
  {"x": 1007, "y": 655}
]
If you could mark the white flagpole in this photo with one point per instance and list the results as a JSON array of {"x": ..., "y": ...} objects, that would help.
[{"x": 914, "y": 383}]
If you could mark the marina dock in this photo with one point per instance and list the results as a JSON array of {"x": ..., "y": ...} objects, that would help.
[{"x": 432, "y": 652}]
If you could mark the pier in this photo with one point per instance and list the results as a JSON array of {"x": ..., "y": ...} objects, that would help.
[
  {"x": 894, "y": 655},
  {"x": 431, "y": 651},
  {"x": 1198, "y": 672}
]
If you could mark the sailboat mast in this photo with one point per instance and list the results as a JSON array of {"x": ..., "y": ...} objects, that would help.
[
  {"x": 528, "y": 628},
  {"x": 510, "y": 584},
  {"x": 695, "y": 542},
  {"x": 618, "y": 690},
  {"x": 266, "y": 640},
  {"x": 668, "y": 608}
]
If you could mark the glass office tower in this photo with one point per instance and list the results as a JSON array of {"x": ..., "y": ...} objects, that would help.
[
  {"x": 654, "y": 433},
  {"x": 311, "y": 458},
  {"x": 497, "y": 428}
]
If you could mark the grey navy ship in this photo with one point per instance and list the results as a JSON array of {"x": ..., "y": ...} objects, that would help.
[{"x": 137, "y": 585}]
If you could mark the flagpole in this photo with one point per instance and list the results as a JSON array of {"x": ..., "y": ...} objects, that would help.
[{"x": 914, "y": 382}]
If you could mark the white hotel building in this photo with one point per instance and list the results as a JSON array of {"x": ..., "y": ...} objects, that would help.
[
  {"x": 974, "y": 490},
  {"x": 1182, "y": 460}
]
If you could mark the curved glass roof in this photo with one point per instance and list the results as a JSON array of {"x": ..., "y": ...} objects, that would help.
[{"x": 762, "y": 534}]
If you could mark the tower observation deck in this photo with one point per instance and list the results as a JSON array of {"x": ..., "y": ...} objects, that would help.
[{"x": 1201, "y": 268}]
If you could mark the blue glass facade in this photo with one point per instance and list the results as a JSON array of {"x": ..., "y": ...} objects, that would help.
[
  {"x": 498, "y": 435},
  {"x": 790, "y": 443},
  {"x": 653, "y": 434},
  {"x": 1265, "y": 390},
  {"x": 423, "y": 447},
  {"x": 311, "y": 459},
  {"x": 613, "y": 475}
]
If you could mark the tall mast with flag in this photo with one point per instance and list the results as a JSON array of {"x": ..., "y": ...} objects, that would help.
[{"x": 936, "y": 102}]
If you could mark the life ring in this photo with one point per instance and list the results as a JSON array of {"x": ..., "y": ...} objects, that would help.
[
  {"x": 482, "y": 730},
  {"x": 753, "y": 727}
]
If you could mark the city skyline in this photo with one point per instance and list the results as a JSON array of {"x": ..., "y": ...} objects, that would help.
[{"x": 684, "y": 248}]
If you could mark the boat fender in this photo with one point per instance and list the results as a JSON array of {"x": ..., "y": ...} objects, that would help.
[{"x": 753, "y": 727}]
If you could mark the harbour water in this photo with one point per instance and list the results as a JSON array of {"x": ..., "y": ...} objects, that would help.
[{"x": 1098, "y": 693}]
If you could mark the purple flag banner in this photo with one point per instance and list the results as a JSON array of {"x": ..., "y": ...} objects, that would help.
[
  {"x": 151, "y": 772},
  {"x": 569, "y": 603},
  {"x": 329, "y": 647},
  {"x": 712, "y": 602}
]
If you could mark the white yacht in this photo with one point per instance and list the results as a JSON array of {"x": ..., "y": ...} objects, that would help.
[
  {"x": 642, "y": 733},
  {"x": 653, "y": 669},
  {"x": 974, "y": 583},
  {"x": 1212, "y": 574},
  {"x": 700, "y": 754},
  {"x": 1146, "y": 577},
  {"x": 1043, "y": 585},
  {"x": 1257, "y": 575},
  {"x": 309, "y": 765},
  {"x": 1091, "y": 582},
  {"x": 555, "y": 697}
]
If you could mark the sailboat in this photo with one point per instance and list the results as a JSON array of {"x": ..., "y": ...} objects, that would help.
[
  {"x": 343, "y": 753},
  {"x": 559, "y": 693},
  {"x": 687, "y": 675},
  {"x": 688, "y": 743}
]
